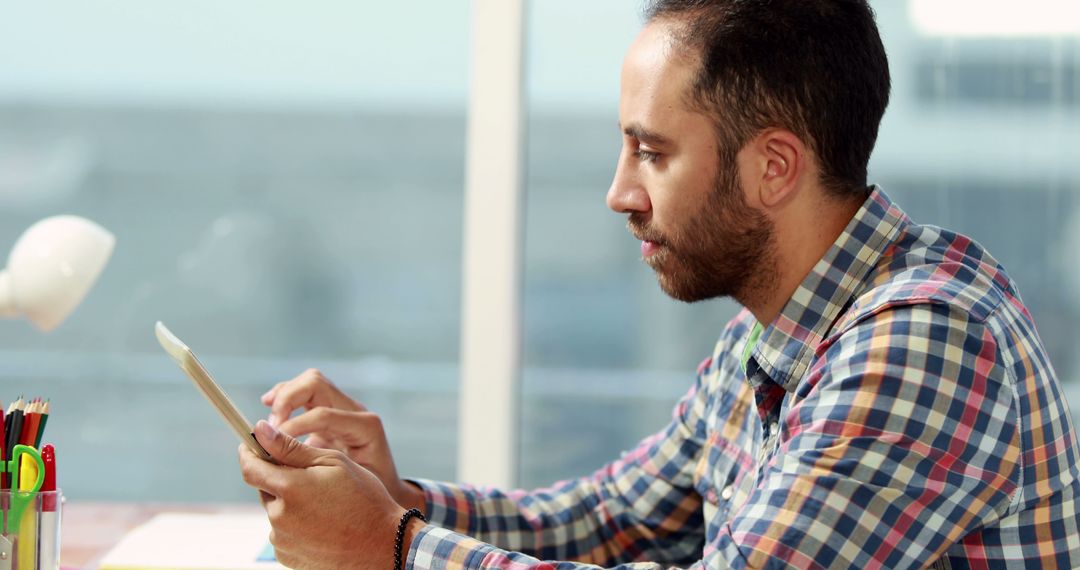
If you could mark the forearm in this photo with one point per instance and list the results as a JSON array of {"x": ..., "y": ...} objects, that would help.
[
  {"x": 557, "y": 522},
  {"x": 435, "y": 548},
  {"x": 642, "y": 506},
  {"x": 617, "y": 515}
]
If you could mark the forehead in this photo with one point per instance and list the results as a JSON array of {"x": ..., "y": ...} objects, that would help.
[{"x": 656, "y": 78}]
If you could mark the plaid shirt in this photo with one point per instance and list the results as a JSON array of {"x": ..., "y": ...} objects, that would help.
[{"x": 900, "y": 412}]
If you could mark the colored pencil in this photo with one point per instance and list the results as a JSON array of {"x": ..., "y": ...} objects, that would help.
[
  {"x": 30, "y": 423},
  {"x": 28, "y": 420},
  {"x": 14, "y": 426},
  {"x": 44, "y": 415},
  {"x": 3, "y": 450}
]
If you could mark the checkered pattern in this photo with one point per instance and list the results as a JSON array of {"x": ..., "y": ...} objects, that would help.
[{"x": 920, "y": 423}]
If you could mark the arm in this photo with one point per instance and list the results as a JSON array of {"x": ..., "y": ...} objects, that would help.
[
  {"x": 639, "y": 507},
  {"x": 904, "y": 441},
  {"x": 642, "y": 506},
  {"x": 328, "y": 511}
]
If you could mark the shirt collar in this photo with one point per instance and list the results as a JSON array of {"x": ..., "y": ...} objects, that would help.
[{"x": 787, "y": 345}]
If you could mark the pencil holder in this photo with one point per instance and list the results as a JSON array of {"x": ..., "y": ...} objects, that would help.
[{"x": 30, "y": 538}]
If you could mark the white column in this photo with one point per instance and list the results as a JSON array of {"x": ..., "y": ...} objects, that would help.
[{"x": 492, "y": 264}]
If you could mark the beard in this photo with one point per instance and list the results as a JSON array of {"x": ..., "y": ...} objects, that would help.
[{"x": 725, "y": 250}]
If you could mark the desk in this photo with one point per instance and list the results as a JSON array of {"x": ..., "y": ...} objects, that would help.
[{"x": 91, "y": 529}]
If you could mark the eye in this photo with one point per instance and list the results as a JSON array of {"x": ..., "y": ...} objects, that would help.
[{"x": 646, "y": 156}]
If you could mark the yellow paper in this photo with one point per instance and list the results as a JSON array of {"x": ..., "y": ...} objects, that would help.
[{"x": 185, "y": 541}]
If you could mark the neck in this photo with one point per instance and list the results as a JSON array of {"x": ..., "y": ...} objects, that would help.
[{"x": 800, "y": 240}]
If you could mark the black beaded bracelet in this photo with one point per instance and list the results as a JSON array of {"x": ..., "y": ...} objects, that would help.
[{"x": 399, "y": 540}]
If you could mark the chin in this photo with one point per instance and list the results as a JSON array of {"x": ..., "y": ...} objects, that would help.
[
  {"x": 687, "y": 291},
  {"x": 681, "y": 284}
]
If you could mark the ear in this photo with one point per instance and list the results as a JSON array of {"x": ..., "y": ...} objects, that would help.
[{"x": 781, "y": 159}]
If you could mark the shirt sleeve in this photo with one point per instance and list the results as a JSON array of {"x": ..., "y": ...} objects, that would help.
[
  {"x": 641, "y": 507},
  {"x": 903, "y": 440}
]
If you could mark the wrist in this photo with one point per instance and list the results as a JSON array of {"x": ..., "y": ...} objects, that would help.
[
  {"x": 407, "y": 526},
  {"x": 412, "y": 530},
  {"x": 412, "y": 496}
]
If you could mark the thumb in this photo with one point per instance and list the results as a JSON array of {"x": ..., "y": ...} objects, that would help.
[{"x": 284, "y": 448}]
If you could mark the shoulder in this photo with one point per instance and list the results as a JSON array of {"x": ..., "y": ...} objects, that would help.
[
  {"x": 928, "y": 265},
  {"x": 930, "y": 307}
]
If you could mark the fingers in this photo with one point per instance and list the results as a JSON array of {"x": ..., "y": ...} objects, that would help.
[
  {"x": 267, "y": 399},
  {"x": 308, "y": 390},
  {"x": 261, "y": 475},
  {"x": 354, "y": 429},
  {"x": 321, "y": 442},
  {"x": 312, "y": 421},
  {"x": 274, "y": 507},
  {"x": 284, "y": 448},
  {"x": 302, "y": 391}
]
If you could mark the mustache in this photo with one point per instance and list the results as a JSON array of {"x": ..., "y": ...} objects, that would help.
[{"x": 636, "y": 225}]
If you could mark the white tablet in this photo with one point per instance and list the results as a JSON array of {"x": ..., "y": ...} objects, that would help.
[{"x": 205, "y": 383}]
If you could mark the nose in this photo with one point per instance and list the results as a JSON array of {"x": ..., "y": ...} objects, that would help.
[{"x": 627, "y": 194}]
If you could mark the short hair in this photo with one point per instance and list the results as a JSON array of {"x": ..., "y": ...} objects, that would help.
[{"x": 815, "y": 67}]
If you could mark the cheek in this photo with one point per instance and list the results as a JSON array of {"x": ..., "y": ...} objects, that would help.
[
  {"x": 744, "y": 177},
  {"x": 685, "y": 190}
]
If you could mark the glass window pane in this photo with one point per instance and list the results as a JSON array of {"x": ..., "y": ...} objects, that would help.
[
  {"x": 980, "y": 136},
  {"x": 285, "y": 186},
  {"x": 605, "y": 352}
]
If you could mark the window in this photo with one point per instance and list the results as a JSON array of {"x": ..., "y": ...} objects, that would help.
[
  {"x": 980, "y": 137},
  {"x": 285, "y": 186}
]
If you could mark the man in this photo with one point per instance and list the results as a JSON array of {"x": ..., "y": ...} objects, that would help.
[{"x": 883, "y": 401}]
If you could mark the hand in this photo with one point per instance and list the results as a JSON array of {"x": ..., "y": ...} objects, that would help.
[
  {"x": 309, "y": 390},
  {"x": 325, "y": 510},
  {"x": 336, "y": 421}
]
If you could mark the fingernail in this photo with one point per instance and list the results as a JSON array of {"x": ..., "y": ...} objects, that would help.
[
  {"x": 274, "y": 420},
  {"x": 267, "y": 430}
]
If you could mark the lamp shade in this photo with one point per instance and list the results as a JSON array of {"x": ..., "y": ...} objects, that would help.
[{"x": 51, "y": 268}]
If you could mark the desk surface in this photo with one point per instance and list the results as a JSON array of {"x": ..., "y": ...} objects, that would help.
[{"x": 90, "y": 530}]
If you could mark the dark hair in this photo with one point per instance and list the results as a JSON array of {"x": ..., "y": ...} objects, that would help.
[{"x": 814, "y": 67}]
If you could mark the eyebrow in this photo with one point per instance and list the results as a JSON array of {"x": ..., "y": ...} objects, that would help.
[{"x": 644, "y": 135}]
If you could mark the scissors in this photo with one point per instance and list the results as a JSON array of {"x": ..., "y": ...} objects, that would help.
[{"x": 20, "y": 499}]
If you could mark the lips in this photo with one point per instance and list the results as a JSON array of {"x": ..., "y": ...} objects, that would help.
[{"x": 651, "y": 242}]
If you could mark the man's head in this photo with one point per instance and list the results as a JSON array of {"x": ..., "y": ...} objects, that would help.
[
  {"x": 814, "y": 67},
  {"x": 728, "y": 99}
]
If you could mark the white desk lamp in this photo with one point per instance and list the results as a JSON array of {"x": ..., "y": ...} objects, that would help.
[{"x": 51, "y": 268}]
